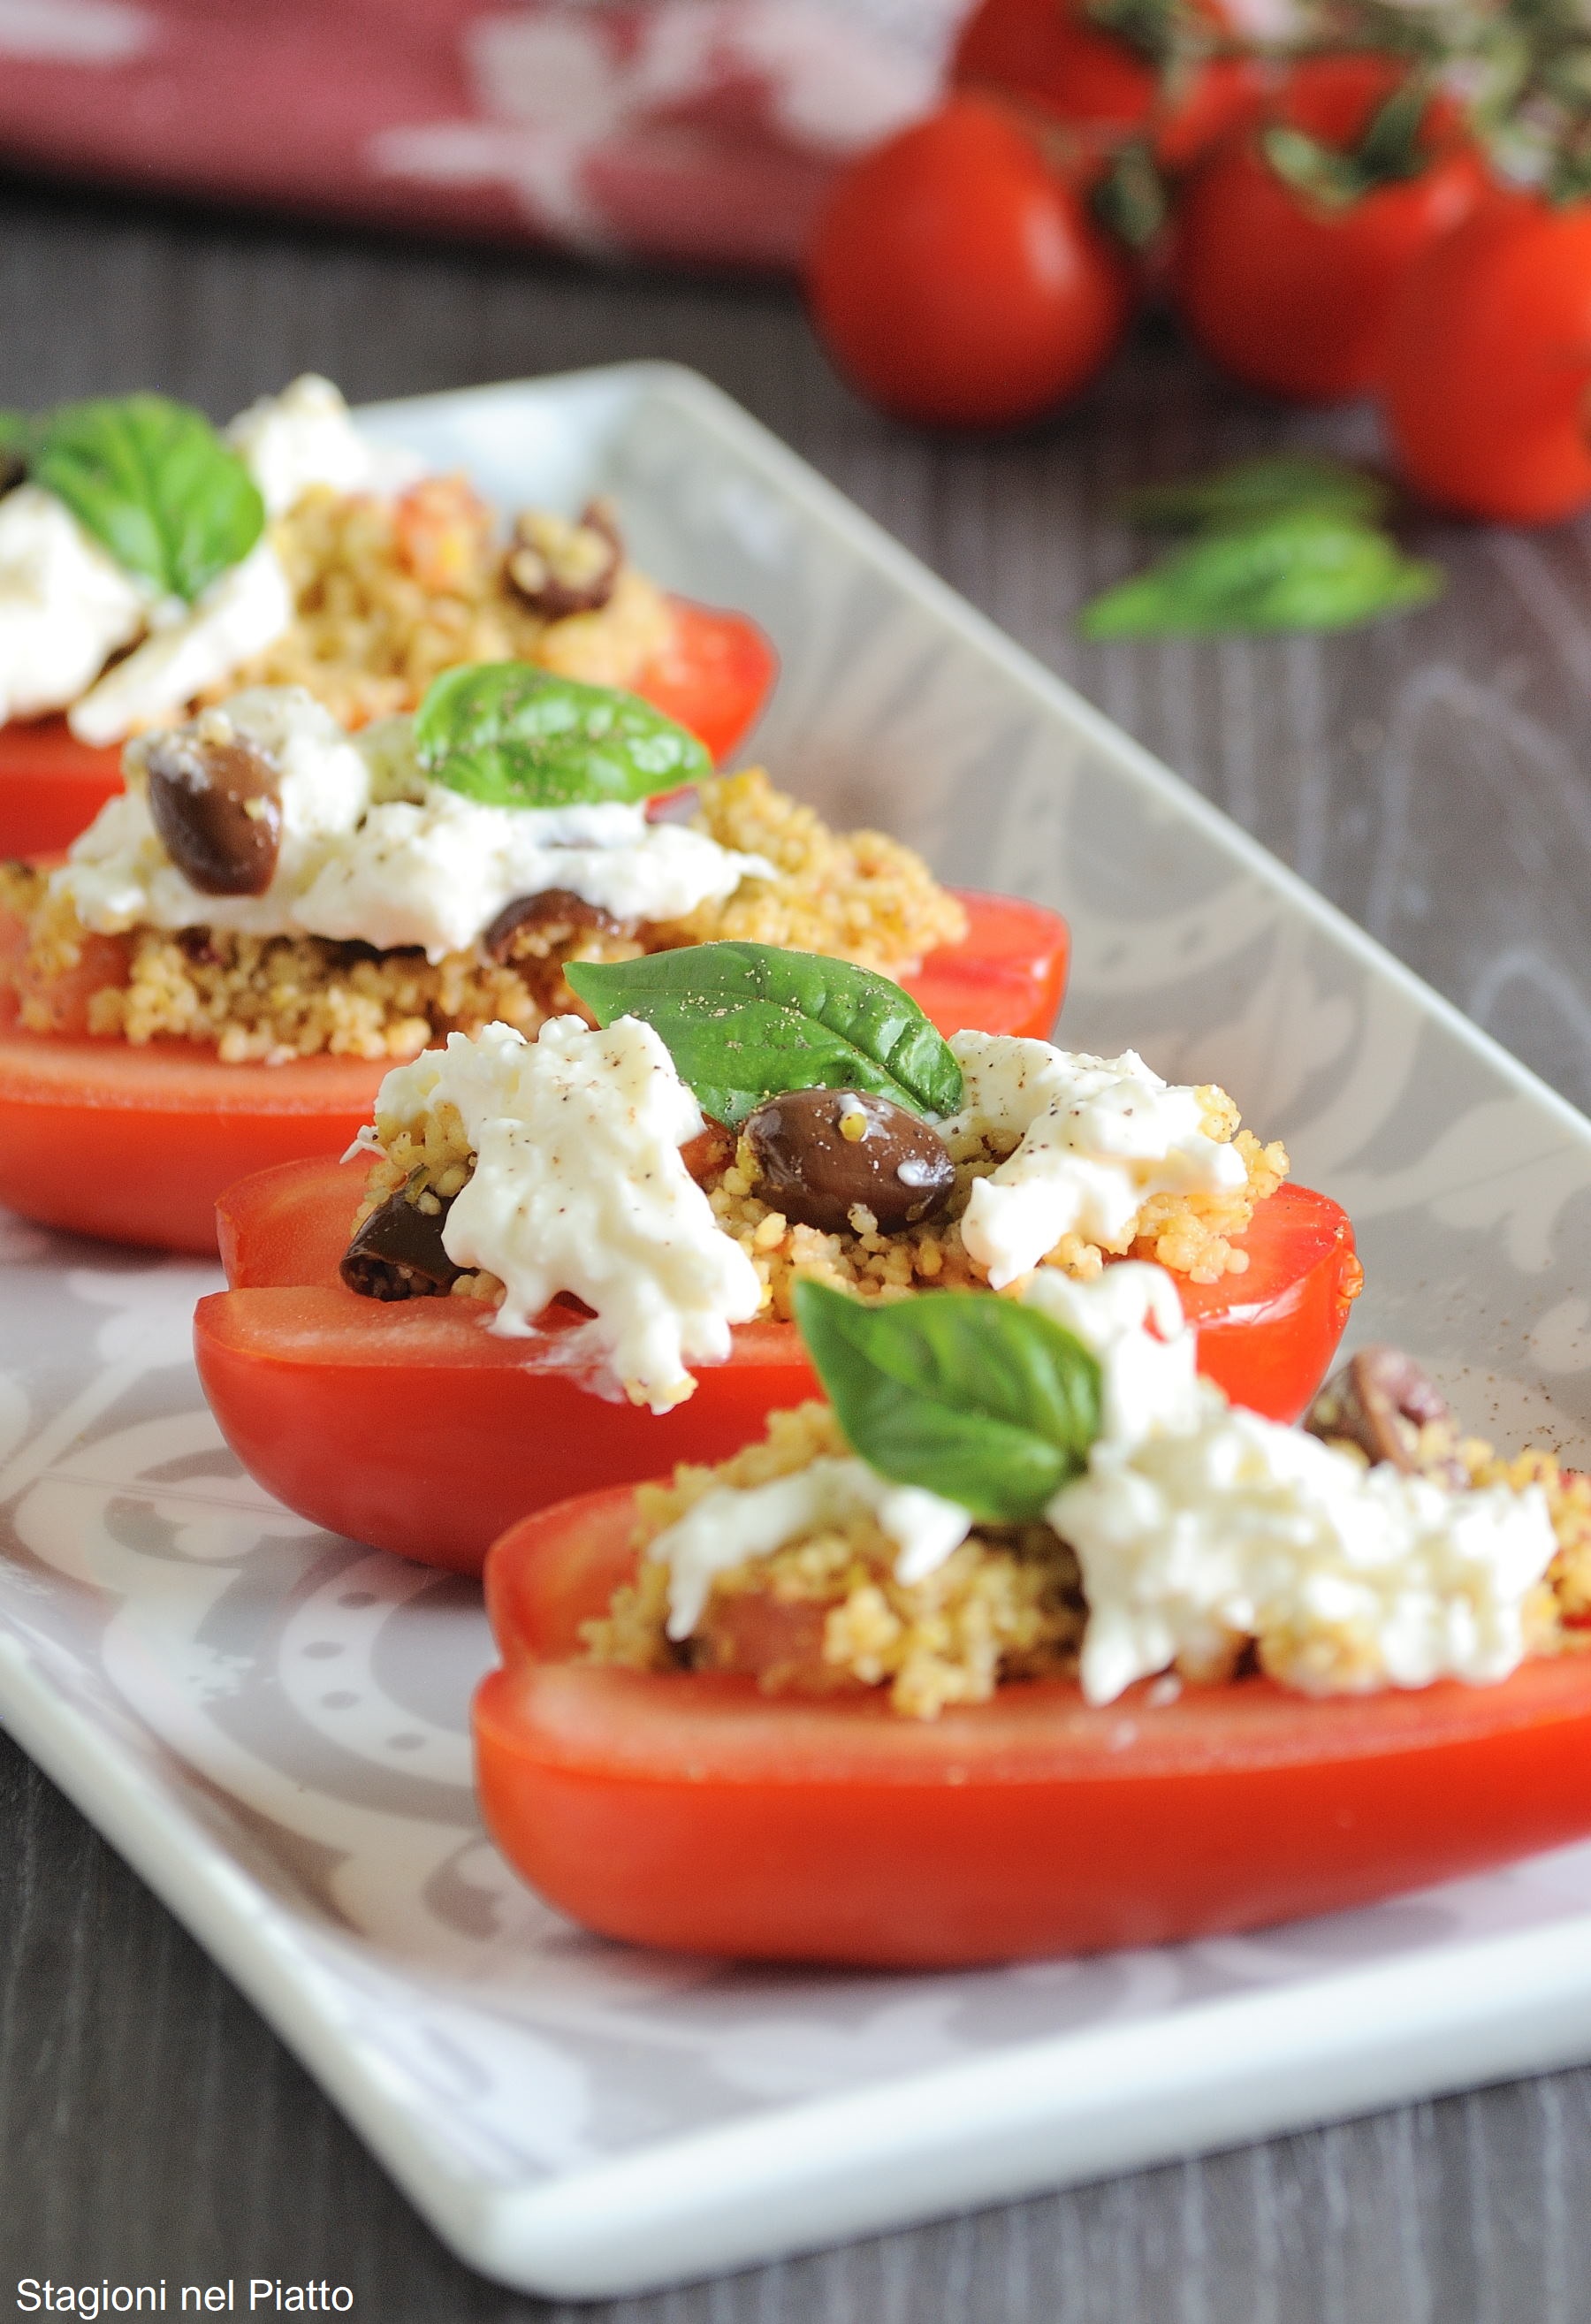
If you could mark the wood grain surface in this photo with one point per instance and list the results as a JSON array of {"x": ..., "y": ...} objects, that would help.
[{"x": 1432, "y": 777}]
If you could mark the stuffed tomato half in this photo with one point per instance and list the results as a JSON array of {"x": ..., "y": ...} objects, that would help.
[
  {"x": 273, "y": 909},
  {"x": 575, "y": 1261},
  {"x": 1032, "y": 1643},
  {"x": 151, "y": 565}
]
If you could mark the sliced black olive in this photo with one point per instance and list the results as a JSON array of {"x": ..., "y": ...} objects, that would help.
[
  {"x": 559, "y": 568},
  {"x": 216, "y": 807},
  {"x": 554, "y": 912},
  {"x": 1381, "y": 1400},
  {"x": 397, "y": 1254},
  {"x": 820, "y": 1153}
]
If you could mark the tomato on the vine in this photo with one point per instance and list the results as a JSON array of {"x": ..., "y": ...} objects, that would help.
[
  {"x": 1112, "y": 81},
  {"x": 1489, "y": 375},
  {"x": 1289, "y": 281},
  {"x": 956, "y": 277}
]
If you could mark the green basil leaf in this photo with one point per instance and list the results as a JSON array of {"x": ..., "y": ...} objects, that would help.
[
  {"x": 1281, "y": 483},
  {"x": 511, "y": 735},
  {"x": 746, "y": 1021},
  {"x": 153, "y": 480},
  {"x": 1306, "y": 571},
  {"x": 990, "y": 1404},
  {"x": 16, "y": 432}
]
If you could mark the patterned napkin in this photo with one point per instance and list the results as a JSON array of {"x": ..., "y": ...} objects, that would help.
[{"x": 698, "y": 130}]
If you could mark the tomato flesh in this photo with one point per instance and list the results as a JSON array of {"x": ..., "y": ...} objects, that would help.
[
  {"x": 414, "y": 1428},
  {"x": 51, "y": 785},
  {"x": 714, "y": 677},
  {"x": 135, "y": 1144},
  {"x": 689, "y": 1811}
]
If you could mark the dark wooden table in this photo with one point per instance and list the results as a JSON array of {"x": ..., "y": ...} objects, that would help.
[{"x": 1432, "y": 777}]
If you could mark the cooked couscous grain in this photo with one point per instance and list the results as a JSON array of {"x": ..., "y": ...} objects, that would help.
[{"x": 387, "y": 594}]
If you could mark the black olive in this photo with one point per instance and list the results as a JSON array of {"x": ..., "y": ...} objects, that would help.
[
  {"x": 819, "y": 1153},
  {"x": 1381, "y": 1400},
  {"x": 552, "y": 909},
  {"x": 216, "y": 807},
  {"x": 558, "y": 569},
  {"x": 397, "y": 1254}
]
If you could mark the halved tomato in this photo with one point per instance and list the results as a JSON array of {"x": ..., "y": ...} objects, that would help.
[
  {"x": 51, "y": 785},
  {"x": 412, "y": 1427},
  {"x": 714, "y": 677},
  {"x": 691, "y": 1811},
  {"x": 136, "y": 1144}
]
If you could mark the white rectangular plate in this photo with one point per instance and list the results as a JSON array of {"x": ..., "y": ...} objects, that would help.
[{"x": 271, "y": 1724}]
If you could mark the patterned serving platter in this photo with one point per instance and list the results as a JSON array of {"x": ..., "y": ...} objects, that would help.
[{"x": 271, "y": 1724}]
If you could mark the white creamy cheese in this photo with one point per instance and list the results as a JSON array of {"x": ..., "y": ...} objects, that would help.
[
  {"x": 189, "y": 648},
  {"x": 1353, "y": 1579},
  {"x": 1099, "y": 1136},
  {"x": 65, "y": 604},
  {"x": 305, "y": 436},
  {"x": 579, "y": 1187},
  {"x": 119, "y": 876},
  {"x": 372, "y": 851},
  {"x": 1130, "y": 1317},
  {"x": 732, "y": 1524}
]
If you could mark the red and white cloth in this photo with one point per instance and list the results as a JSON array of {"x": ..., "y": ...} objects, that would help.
[{"x": 677, "y": 129}]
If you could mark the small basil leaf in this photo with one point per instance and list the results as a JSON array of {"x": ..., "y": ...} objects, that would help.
[
  {"x": 1280, "y": 483},
  {"x": 746, "y": 1021},
  {"x": 1306, "y": 571},
  {"x": 153, "y": 480},
  {"x": 16, "y": 432},
  {"x": 990, "y": 1404},
  {"x": 511, "y": 735}
]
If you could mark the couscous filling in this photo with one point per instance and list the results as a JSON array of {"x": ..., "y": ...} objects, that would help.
[
  {"x": 425, "y": 1159},
  {"x": 856, "y": 895},
  {"x": 830, "y": 1613}
]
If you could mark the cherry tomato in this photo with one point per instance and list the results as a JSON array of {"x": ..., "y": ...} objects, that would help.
[
  {"x": 1291, "y": 294},
  {"x": 1489, "y": 366},
  {"x": 955, "y": 278},
  {"x": 691, "y": 1811},
  {"x": 411, "y": 1427},
  {"x": 137, "y": 1143},
  {"x": 1096, "y": 81},
  {"x": 714, "y": 677}
]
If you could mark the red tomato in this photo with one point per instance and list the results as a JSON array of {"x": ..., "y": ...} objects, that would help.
[
  {"x": 411, "y": 1427},
  {"x": 691, "y": 1811},
  {"x": 51, "y": 785},
  {"x": 714, "y": 677},
  {"x": 1096, "y": 81},
  {"x": 1267, "y": 1336},
  {"x": 1291, "y": 295},
  {"x": 956, "y": 279},
  {"x": 1489, "y": 364},
  {"x": 136, "y": 1144}
]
